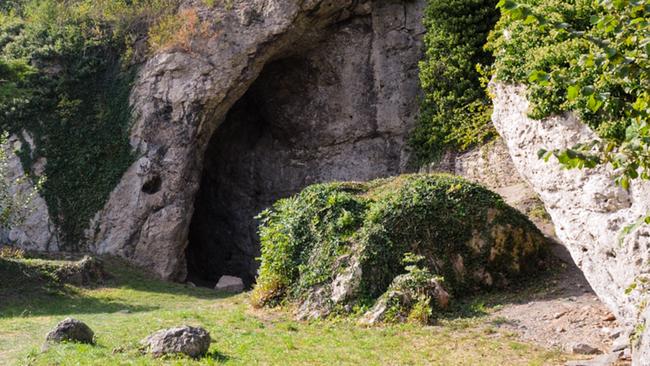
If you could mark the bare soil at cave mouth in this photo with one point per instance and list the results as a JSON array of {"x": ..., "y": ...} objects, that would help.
[{"x": 561, "y": 312}]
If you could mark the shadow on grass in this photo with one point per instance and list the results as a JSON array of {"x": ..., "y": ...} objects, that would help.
[
  {"x": 216, "y": 356},
  {"x": 32, "y": 288},
  {"x": 59, "y": 301}
]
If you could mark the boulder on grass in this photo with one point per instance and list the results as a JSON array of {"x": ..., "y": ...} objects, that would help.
[
  {"x": 230, "y": 284},
  {"x": 190, "y": 341},
  {"x": 70, "y": 330}
]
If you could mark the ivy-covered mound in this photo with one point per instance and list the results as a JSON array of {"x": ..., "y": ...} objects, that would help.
[{"x": 393, "y": 248}]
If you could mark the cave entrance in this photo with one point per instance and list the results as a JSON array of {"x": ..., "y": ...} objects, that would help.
[{"x": 307, "y": 119}]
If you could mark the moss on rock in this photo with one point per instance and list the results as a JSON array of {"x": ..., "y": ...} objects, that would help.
[{"x": 340, "y": 246}]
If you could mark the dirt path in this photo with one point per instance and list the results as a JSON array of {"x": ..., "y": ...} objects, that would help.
[{"x": 565, "y": 314}]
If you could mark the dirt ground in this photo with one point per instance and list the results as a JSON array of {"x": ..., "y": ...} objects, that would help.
[{"x": 565, "y": 314}]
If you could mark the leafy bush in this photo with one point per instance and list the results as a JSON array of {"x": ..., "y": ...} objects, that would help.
[
  {"x": 360, "y": 232},
  {"x": 589, "y": 57},
  {"x": 456, "y": 109}
]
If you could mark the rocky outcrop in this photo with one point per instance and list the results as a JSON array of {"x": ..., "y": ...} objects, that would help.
[
  {"x": 589, "y": 210},
  {"x": 345, "y": 109},
  {"x": 31, "y": 226},
  {"x": 336, "y": 246}
]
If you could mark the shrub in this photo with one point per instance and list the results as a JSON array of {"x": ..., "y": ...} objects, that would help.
[
  {"x": 347, "y": 240},
  {"x": 589, "y": 57},
  {"x": 177, "y": 31},
  {"x": 456, "y": 110}
]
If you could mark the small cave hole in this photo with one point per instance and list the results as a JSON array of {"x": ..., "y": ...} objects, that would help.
[{"x": 152, "y": 185}]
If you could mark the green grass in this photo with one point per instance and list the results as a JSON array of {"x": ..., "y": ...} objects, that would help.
[{"x": 31, "y": 303}]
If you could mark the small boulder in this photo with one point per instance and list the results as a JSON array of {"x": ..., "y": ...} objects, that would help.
[
  {"x": 190, "y": 341},
  {"x": 70, "y": 330},
  {"x": 230, "y": 284},
  {"x": 584, "y": 349}
]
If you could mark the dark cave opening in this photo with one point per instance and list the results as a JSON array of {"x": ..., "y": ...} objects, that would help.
[{"x": 307, "y": 119}]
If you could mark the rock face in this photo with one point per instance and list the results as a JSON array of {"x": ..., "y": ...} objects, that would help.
[
  {"x": 327, "y": 89},
  {"x": 32, "y": 227},
  {"x": 492, "y": 166},
  {"x": 588, "y": 209},
  {"x": 70, "y": 330},
  {"x": 190, "y": 341}
]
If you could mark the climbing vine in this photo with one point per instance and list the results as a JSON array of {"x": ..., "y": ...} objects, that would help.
[
  {"x": 67, "y": 70},
  {"x": 456, "y": 110}
]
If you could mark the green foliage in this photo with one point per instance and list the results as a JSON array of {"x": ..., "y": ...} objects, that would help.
[
  {"x": 589, "y": 57},
  {"x": 456, "y": 109},
  {"x": 308, "y": 239},
  {"x": 67, "y": 73}
]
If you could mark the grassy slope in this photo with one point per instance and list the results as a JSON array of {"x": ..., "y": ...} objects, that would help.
[{"x": 31, "y": 306}]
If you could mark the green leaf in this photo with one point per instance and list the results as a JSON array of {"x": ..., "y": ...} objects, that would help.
[{"x": 573, "y": 92}]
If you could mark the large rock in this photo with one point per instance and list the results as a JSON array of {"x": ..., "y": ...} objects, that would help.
[
  {"x": 345, "y": 114},
  {"x": 589, "y": 210},
  {"x": 230, "y": 284},
  {"x": 190, "y": 341},
  {"x": 70, "y": 330}
]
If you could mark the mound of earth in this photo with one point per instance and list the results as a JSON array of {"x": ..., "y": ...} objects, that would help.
[{"x": 396, "y": 248}]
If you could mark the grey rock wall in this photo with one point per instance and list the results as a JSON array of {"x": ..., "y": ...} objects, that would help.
[
  {"x": 588, "y": 209},
  {"x": 31, "y": 226},
  {"x": 358, "y": 94}
]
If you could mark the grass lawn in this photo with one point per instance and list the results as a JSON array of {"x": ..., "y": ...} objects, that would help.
[{"x": 132, "y": 305}]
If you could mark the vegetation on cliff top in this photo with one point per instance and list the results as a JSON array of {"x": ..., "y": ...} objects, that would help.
[
  {"x": 310, "y": 239},
  {"x": 586, "y": 56}
]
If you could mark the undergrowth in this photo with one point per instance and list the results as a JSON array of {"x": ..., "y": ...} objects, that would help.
[{"x": 309, "y": 239}]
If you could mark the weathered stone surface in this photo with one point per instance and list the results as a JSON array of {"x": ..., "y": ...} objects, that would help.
[
  {"x": 589, "y": 210},
  {"x": 492, "y": 166},
  {"x": 584, "y": 349},
  {"x": 344, "y": 111},
  {"x": 230, "y": 284},
  {"x": 405, "y": 298},
  {"x": 32, "y": 228},
  {"x": 70, "y": 330},
  {"x": 190, "y": 341},
  {"x": 87, "y": 271}
]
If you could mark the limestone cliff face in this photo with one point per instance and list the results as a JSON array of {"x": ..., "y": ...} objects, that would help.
[
  {"x": 588, "y": 209},
  {"x": 31, "y": 226},
  {"x": 280, "y": 94}
]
